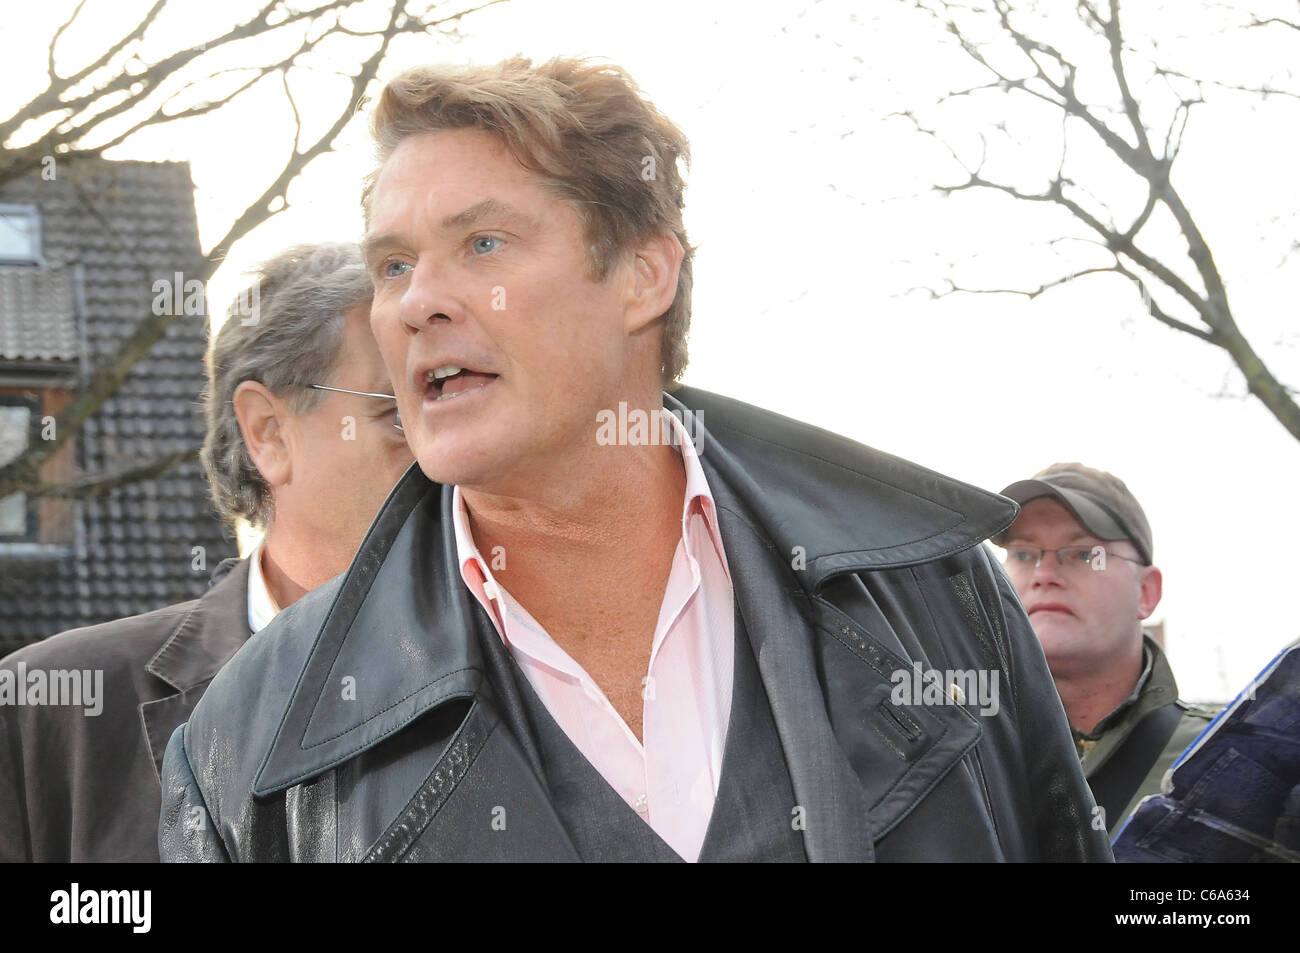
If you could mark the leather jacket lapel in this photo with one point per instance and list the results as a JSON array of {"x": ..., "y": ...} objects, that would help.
[
  {"x": 870, "y": 511},
  {"x": 481, "y": 802},
  {"x": 858, "y": 761},
  {"x": 399, "y": 640},
  {"x": 835, "y": 809},
  {"x": 395, "y": 642}
]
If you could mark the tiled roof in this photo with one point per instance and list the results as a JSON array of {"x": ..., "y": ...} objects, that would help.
[
  {"x": 128, "y": 224},
  {"x": 37, "y": 320}
]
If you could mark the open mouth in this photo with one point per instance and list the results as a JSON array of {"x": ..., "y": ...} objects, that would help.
[{"x": 449, "y": 381}]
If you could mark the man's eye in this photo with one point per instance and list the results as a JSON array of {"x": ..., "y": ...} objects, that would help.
[
  {"x": 484, "y": 244},
  {"x": 390, "y": 269},
  {"x": 1021, "y": 556},
  {"x": 1083, "y": 556}
]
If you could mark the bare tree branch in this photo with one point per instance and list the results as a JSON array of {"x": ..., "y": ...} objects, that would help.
[
  {"x": 1263, "y": 91},
  {"x": 162, "y": 117},
  {"x": 1027, "y": 293},
  {"x": 1131, "y": 109},
  {"x": 23, "y": 474},
  {"x": 1255, "y": 21},
  {"x": 1160, "y": 314},
  {"x": 49, "y": 67},
  {"x": 99, "y": 483},
  {"x": 1052, "y": 80},
  {"x": 76, "y": 126},
  {"x": 59, "y": 84},
  {"x": 297, "y": 119}
]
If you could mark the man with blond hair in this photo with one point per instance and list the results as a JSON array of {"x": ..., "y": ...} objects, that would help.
[{"x": 601, "y": 621}]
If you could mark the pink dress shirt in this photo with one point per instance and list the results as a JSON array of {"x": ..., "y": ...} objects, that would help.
[{"x": 671, "y": 780}]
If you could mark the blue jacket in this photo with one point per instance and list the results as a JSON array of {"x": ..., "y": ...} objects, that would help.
[{"x": 1234, "y": 794}]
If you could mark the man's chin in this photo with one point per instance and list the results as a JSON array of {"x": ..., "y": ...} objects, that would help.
[
  {"x": 439, "y": 470},
  {"x": 1069, "y": 654},
  {"x": 449, "y": 462},
  {"x": 1058, "y": 638}
]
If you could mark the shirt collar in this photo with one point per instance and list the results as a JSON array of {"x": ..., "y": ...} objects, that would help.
[
  {"x": 697, "y": 485},
  {"x": 262, "y": 607}
]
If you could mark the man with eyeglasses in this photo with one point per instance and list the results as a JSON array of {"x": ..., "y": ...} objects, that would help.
[
  {"x": 304, "y": 437},
  {"x": 1080, "y": 557},
  {"x": 300, "y": 442}
]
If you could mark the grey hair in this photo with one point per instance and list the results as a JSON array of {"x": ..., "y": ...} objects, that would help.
[{"x": 284, "y": 331}]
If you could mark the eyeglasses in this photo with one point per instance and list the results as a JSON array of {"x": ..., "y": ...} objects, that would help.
[
  {"x": 1074, "y": 559},
  {"x": 397, "y": 418}
]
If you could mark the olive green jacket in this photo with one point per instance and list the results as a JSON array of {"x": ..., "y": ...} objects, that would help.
[{"x": 1155, "y": 688}]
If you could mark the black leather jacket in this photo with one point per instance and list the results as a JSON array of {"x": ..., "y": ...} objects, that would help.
[{"x": 359, "y": 724}]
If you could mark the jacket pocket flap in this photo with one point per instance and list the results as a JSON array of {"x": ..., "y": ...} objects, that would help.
[{"x": 902, "y": 727}]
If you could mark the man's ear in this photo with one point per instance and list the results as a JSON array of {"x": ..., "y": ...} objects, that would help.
[
  {"x": 1152, "y": 586},
  {"x": 656, "y": 263},
  {"x": 262, "y": 417}
]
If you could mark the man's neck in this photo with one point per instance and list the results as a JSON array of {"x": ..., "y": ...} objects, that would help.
[
  {"x": 610, "y": 509},
  {"x": 1089, "y": 699},
  {"x": 591, "y": 562},
  {"x": 287, "y": 568}
]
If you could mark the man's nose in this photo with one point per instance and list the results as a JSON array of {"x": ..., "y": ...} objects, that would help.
[
  {"x": 427, "y": 299},
  {"x": 1049, "y": 571}
]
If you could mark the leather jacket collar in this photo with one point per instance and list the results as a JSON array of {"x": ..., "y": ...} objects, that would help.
[
  {"x": 399, "y": 622},
  {"x": 873, "y": 510}
]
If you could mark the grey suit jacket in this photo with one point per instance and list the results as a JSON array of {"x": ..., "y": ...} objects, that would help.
[
  {"x": 85, "y": 787},
  {"x": 359, "y": 725}
]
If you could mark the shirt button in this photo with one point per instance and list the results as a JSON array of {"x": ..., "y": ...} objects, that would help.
[
  {"x": 490, "y": 590},
  {"x": 640, "y": 804}
]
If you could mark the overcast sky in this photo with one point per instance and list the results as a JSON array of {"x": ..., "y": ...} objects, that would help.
[{"x": 810, "y": 210}]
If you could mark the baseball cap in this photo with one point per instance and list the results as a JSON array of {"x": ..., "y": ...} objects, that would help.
[{"x": 1100, "y": 502}]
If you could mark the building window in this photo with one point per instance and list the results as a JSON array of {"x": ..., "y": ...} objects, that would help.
[
  {"x": 20, "y": 235},
  {"x": 19, "y": 417}
]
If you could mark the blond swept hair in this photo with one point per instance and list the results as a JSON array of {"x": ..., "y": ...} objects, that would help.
[{"x": 586, "y": 130}]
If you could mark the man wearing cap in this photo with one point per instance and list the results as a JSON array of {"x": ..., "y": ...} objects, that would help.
[{"x": 1080, "y": 557}]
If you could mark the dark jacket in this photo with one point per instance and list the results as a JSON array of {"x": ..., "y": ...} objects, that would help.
[
  {"x": 359, "y": 725},
  {"x": 84, "y": 787}
]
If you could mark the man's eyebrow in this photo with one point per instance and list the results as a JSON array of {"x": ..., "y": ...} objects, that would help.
[
  {"x": 481, "y": 210},
  {"x": 372, "y": 244},
  {"x": 1077, "y": 538}
]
